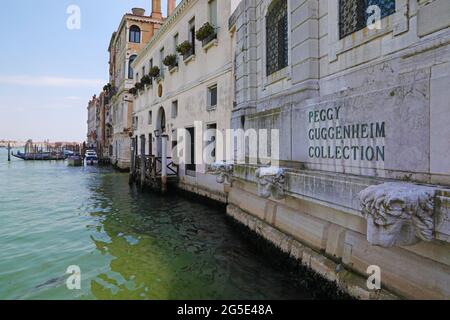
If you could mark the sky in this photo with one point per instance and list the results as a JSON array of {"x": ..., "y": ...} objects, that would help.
[{"x": 49, "y": 72}]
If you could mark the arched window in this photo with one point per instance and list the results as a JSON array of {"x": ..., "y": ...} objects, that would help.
[
  {"x": 277, "y": 36},
  {"x": 135, "y": 34},
  {"x": 130, "y": 69}
]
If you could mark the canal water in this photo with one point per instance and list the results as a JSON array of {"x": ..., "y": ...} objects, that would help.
[{"x": 128, "y": 245}]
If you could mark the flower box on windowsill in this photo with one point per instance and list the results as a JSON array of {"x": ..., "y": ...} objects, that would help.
[
  {"x": 189, "y": 56},
  {"x": 210, "y": 41},
  {"x": 173, "y": 68}
]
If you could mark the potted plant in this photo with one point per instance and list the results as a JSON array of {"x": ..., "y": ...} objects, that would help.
[
  {"x": 139, "y": 86},
  {"x": 206, "y": 33},
  {"x": 107, "y": 87},
  {"x": 184, "y": 48},
  {"x": 154, "y": 72},
  {"x": 146, "y": 80},
  {"x": 170, "y": 61},
  {"x": 133, "y": 91}
]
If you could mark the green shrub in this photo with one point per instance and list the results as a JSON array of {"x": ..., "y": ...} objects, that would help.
[
  {"x": 154, "y": 72},
  {"x": 170, "y": 60},
  {"x": 146, "y": 80},
  {"x": 205, "y": 31},
  {"x": 184, "y": 47}
]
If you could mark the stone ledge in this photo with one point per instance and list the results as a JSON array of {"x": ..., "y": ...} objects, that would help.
[
  {"x": 349, "y": 282},
  {"x": 341, "y": 192}
]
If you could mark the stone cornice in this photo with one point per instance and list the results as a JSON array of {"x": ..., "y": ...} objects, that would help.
[
  {"x": 177, "y": 14},
  {"x": 135, "y": 18}
]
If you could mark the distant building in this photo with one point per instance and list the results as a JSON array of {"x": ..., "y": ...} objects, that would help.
[
  {"x": 134, "y": 32},
  {"x": 92, "y": 122}
]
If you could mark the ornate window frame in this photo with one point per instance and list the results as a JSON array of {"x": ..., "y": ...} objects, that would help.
[
  {"x": 286, "y": 72},
  {"x": 396, "y": 23}
]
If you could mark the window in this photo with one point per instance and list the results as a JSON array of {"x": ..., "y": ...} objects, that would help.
[
  {"x": 130, "y": 69},
  {"x": 353, "y": 15},
  {"x": 174, "y": 109},
  {"x": 212, "y": 8},
  {"x": 190, "y": 152},
  {"x": 192, "y": 34},
  {"x": 174, "y": 144},
  {"x": 143, "y": 71},
  {"x": 150, "y": 121},
  {"x": 175, "y": 42},
  {"x": 276, "y": 36},
  {"x": 150, "y": 144},
  {"x": 149, "y": 68},
  {"x": 161, "y": 59},
  {"x": 212, "y": 97},
  {"x": 135, "y": 34}
]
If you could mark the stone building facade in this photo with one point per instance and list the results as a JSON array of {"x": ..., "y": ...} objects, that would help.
[
  {"x": 134, "y": 32},
  {"x": 197, "y": 87},
  {"x": 92, "y": 110},
  {"x": 362, "y": 112}
]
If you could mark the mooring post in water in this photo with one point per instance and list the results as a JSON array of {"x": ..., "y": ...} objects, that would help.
[
  {"x": 9, "y": 152},
  {"x": 143, "y": 170},
  {"x": 164, "y": 138},
  {"x": 133, "y": 160}
]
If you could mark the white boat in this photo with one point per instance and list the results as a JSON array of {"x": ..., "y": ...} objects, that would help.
[{"x": 91, "y": 158}]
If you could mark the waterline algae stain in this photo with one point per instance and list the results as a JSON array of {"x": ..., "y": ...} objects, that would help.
[{"x": 127, "y": 245}]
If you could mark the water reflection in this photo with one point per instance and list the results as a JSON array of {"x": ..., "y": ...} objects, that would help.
[{"x": 171, "y": 248}]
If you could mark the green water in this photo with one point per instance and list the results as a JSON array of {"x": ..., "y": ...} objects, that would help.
[{"x": 128, "y": 245}]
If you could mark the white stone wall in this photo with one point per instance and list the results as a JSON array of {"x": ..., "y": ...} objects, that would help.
[
  {"x": 397, "y": 78},
  {"x": 392, "y": 77}
]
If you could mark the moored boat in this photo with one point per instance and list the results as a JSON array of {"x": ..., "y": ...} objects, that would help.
[
  {"x": 91, "y": 158},
  {"x": 75, "y": 161}
]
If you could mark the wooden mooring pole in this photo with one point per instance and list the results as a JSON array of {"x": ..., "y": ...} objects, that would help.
[
  {"x": 143, "y": 169},
  {"x": 9, "y": 152},
  {"x": 133, "y": 160},
  {"x": 164, "y": 138}
]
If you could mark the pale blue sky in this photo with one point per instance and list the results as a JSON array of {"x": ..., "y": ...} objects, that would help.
[{"x": 48, "y": 72}]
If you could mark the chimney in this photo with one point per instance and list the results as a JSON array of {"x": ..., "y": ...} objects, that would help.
[
  {"x": 138, "y": 11},
  {"x": 156, "y": 9},
  {"x": 171, "y": 4}
]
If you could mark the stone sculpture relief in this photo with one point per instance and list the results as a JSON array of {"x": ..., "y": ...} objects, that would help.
[
  {"x": 223, "y": 170},
  {"x": 271, "y": 182},
  {"x": 398, "y": 213}
]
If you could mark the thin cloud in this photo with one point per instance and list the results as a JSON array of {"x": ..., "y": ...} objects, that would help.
[{"x": 48, "y": 81}]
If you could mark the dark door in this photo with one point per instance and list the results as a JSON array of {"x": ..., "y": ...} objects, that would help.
[{"x": 191, "y": 166}]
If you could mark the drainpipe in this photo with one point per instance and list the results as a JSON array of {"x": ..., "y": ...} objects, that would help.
[
  {"x": 164, "y": 138},
  {"x": 143, "y": 170}
]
